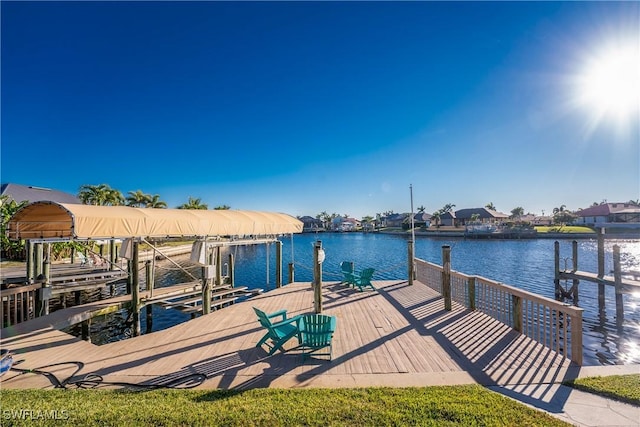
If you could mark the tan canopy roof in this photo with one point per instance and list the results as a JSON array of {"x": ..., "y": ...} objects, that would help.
[{"x": 42, "y": 220}]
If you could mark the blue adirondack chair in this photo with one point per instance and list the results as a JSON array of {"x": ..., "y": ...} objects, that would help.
[
  {"x": 278, "y": 333},
  {"x": 316, "y": 334},
  {"x": 363, "y": 280},
  {"x": 348, "y": 270}
]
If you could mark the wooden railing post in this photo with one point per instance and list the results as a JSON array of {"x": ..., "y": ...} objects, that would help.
[
  {"x": 516, "y": 312},
  {"x": 472, "y": 293},
  {"x": 576, "y": 337},
  {"x": 446, "y": 276}
]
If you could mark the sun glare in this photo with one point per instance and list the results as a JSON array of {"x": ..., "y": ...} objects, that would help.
[
  {"x": 612, "y": 82},
  {"x": 608, "y": 87}
]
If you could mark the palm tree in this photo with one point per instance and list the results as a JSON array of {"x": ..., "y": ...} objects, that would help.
[
  {"x": 155, "y": 202},
  {"x": 138, "y": 199},
  {"x": 194, "y": 203},
  {"x": 490, "y": 206},
  {"x": 516, "y": 213},
  {"x": 447, "y": 208},
  {"x": 324, "y": 217},
  {"x": 100, "y": 195},
  {"x": 436, "y": 217},
  {"x": 366, "y": 220},
  {"x": 421, "y": 209},
  {"x": 559, "y": 209},
  {"x": 222, "y": 208}
]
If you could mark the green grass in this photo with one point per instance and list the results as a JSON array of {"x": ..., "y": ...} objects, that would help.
[
  {"x": 569, "y": 229},
  {"x": 625, "y": 388},
  {"x": 430, "y": 406}
]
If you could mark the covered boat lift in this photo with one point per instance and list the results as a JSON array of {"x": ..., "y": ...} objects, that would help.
[{"x": 44, "y": 222}]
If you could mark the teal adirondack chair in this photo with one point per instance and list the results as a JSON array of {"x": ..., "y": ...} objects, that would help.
[
  {"x": 348, "y": 270},
  {"x": 278, "y": 333},
  {"x": 316, "y": 334},
  {"x": 363, "y": 280}
]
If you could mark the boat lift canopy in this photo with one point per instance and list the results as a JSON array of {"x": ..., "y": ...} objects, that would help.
[{"x": 63, "y": 221}]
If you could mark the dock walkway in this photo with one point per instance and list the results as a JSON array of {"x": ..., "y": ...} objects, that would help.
[
  {"x": 396, "y": 336},
  {"x": 399, "y": 335}
]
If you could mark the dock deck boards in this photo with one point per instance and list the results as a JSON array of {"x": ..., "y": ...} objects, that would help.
[{"x": 398, "y": 335}]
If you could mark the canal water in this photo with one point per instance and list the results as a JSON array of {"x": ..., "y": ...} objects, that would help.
[{"x": 526, "y": 264}]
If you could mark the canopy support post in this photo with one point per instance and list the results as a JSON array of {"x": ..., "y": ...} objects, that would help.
[
  {"x": 135, "y": 289},
  {"x": 278, "y": 264}
]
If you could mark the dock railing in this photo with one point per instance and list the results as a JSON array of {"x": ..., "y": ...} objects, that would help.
[
  {"x": 554, "y": 324},
  {"x": 18, "y": 304}
]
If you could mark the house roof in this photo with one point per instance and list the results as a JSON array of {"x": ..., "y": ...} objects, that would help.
[
  {"x": 606, "y": 209},
  {"x": 48, "y": 220},
  {"x": 21, "y": 193},
  {"x": 482, "y": 213},
  {"x": 421, "y": 217}
]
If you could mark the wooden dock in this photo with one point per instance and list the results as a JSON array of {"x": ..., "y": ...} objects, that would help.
[{"x": 398, "y": 335}]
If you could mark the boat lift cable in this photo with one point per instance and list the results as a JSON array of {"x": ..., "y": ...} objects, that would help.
[
  {"x": 95, "y": 380},
  {"x": 170, "y": 260}
]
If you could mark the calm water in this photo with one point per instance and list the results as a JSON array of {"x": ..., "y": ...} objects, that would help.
[{"x": 526, "y": 264}]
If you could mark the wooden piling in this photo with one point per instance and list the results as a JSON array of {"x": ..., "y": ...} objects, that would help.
[
  {"x": 113, "y": 255},
  {"x": 446, "y": 276},
  {"x": 149, "y": 281},
  {"x": 85, "y": 330},
  {"x": 135, "y": 289},
  {"x": 576, "y": 282},
  {"x": 411, "y": 262},
  {"x": 206, "y": 277},
  {"x": 317, "y": 277},
  {"x": 556, "y": 269},
  {"x": 617, "y": 276},
  {"x": 516, "y": 312},
  {"x": 231, "y": 272},
  {"x": 601, "y": 271},
  {"x": 278, "y": 264},
  {"x": 291, "y": 273},
  {"x": 30, "y": 262}
]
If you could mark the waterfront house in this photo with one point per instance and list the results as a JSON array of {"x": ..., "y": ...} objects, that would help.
[
  {"x": 421, "y": 220},
  {"x": 448, "y": 219},
  {"x": 607, "y": 213},
  {"x": 482, "y": 215},
  {"x": 311, "y": 224},
  {"x": 345, "y": 224},
  {"x": 394, "y": 220}
]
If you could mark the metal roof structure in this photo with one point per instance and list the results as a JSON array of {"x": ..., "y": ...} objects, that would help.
[{"x": 29, "y": 193}]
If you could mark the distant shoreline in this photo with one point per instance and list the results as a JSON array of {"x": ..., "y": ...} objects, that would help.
[{"x": 507, "y": 235}]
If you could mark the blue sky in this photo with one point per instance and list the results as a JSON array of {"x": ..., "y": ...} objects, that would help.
[{"x": 303, "y": 107}]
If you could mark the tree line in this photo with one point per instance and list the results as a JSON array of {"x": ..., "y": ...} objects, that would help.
[{"x": 104, "y": 195}]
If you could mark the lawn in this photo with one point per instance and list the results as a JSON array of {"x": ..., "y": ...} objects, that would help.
[
  {"x": 569, "y": 229},
  {"x": 625, "y": 388},
  {"x": 470, "y": 405}
]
